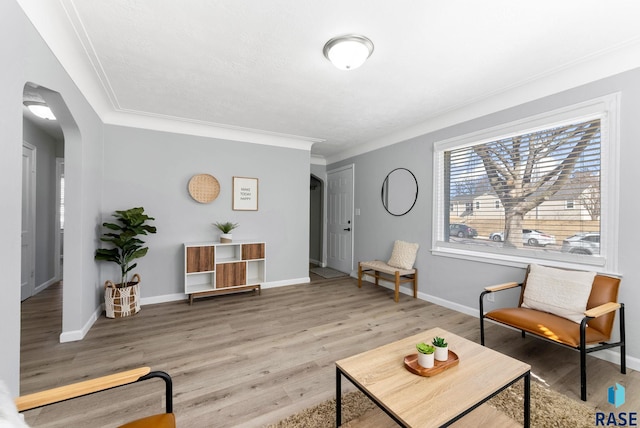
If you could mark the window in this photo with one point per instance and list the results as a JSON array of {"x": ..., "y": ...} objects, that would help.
[
  {"x": 469, "y": 207},
  {"x": 549, "y": 178}
]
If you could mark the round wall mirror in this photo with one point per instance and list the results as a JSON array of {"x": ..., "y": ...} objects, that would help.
[{"x": 399, "y": 191}]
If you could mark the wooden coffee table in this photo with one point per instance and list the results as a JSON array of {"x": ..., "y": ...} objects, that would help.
[{"x": 418, "y": 401}]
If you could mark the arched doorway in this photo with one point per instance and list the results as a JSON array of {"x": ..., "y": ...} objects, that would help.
[
  {"x": 53, "y": 140},
  {"x": 316, "y": 215}
]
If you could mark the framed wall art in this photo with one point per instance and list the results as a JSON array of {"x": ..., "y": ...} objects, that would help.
[{"x": 245, "y": 194}]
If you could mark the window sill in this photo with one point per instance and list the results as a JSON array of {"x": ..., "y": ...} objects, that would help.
[{"x": 444, "y": 249}]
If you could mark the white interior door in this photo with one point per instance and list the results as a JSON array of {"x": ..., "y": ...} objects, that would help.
[
  {"x": 340, "y": 219},
  {"x": 27, "y": 283}
]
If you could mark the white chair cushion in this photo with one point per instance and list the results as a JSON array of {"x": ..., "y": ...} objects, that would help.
[
  {"x": 403, "y": 255},
  {"x": 560, "y": 292}
]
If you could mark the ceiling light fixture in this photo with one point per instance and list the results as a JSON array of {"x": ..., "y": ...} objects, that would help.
[
  {"x": 41, "y": 110},
  {"x": 348, "y": 52}
]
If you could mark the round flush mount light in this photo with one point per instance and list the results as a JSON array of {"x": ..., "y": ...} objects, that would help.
[
  {"x": 41, "y": 110},
  {"x": 348, "y": 52}
]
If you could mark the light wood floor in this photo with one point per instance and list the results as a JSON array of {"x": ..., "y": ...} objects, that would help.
[{"x": 245, "y": 360}]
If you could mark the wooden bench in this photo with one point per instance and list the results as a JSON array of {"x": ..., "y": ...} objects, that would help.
[
  {"x": 591, "y": 334},
  {"x": 380, "y": 270}
]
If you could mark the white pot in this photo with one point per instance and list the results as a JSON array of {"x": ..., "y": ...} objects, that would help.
[
  {"x": 442, "y": 354},
  {"x": 425, "y": 360},
  {"x": 225, "y": 237}
]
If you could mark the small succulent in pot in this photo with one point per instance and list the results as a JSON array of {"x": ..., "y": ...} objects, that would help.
[
  {"x": 425, "y": 348},
  {"x": 426, "y": 355},
  {"x": 439, "y": 342},
  {"x": 442, "y": 348},
  {"x": 226, "y": 227}
]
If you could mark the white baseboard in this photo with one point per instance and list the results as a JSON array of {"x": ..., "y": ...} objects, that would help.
[
  {"x": 75, "y": 335},
  {"x": 163, "y": 299},
  {"x": 44, "y": 285},
  {"x": 274, "y": 284}
]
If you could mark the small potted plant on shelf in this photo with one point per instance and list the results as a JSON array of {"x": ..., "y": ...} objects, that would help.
[
  {"x": 122, "y": 299},
  {"x": 226, "y": 229},
  {"x": 425, "y": 355},
  {"x": 442, "y": 348}
]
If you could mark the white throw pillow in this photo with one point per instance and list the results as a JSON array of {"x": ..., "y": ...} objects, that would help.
[
  {"x": 403, "y": 255},
  {"x": 561, "y": 292},
  {"x": 9, "y": 416}
]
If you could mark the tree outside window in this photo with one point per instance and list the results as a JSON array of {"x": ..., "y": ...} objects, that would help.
[{"x": 540, "y": 184}]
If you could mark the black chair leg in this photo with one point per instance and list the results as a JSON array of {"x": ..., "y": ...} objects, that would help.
[
  {"x": 623, "y": 349},
  {"x": 583, "y": 374},
  {"x": 481, "y": 305},
  {"x": 583, "y": 359}
]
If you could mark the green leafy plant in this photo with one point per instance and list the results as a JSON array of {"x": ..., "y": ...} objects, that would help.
[
  {"x": 439, "y": 342},
  {"x": 424, "y": 348},
  {"x": 226, "y": 227},
  {"x": 124, "y": 239}
]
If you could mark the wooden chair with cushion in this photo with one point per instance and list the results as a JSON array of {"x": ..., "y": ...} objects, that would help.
[
  {"x": 567, "y": 308},
  {"x": 399, "y": 269},
  {"x": 75, "y": 390}
]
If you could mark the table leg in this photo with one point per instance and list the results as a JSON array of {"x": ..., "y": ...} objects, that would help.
[
  {"x": 527, "y": 399},
  {"x": 338, "y": 397}
]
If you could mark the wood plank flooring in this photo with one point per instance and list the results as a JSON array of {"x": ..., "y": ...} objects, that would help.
[{"x": 246, "y": 360}]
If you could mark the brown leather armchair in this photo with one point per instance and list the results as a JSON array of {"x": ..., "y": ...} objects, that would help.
[
  {"x": 592, "y": 334},
  {"x": 67, "y": 392}
]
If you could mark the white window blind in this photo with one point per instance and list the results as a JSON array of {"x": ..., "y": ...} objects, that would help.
[{"x": 541, "y": 189}]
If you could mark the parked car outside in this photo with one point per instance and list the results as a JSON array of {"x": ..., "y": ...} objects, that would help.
[
  {"x": 531, "y": 237},
  {"x": 587, "y": 243},
  {"x": 462, "y": 231}
]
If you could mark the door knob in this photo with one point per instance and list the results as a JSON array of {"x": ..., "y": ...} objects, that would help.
[{"x": 348, "y": 229}]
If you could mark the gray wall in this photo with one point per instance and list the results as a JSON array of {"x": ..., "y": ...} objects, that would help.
[
  {"x": 152, "y": 169},
  {"x": 27, "y": 58},
  {"x": 455, "y": 282},
  {"x": 11, "y": 81}
]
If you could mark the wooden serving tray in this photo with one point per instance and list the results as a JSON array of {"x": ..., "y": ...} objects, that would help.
[{"x": 411, "y": 363}]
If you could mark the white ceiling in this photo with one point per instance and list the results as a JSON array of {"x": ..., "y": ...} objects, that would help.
[{"x": 233, "y": 66}]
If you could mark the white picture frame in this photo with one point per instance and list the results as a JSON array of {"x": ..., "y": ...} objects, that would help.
[{"x": 245, "y": 194}]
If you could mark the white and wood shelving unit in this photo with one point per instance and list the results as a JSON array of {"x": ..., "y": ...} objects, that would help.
[{"x": 218, "y": 268}]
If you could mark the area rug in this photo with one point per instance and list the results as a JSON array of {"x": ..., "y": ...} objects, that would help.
[
  {"x": 327, "y": 273},
  {"x": 548, "y": 409}
]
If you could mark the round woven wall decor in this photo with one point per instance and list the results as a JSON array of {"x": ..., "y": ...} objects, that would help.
[{"x": 204, "y": 188}]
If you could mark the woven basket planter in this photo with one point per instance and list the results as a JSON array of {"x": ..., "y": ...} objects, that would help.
[{"x": 122, "y": 302}]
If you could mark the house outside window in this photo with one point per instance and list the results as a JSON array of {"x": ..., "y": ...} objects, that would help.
[{"x": 547, "y": 179}]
